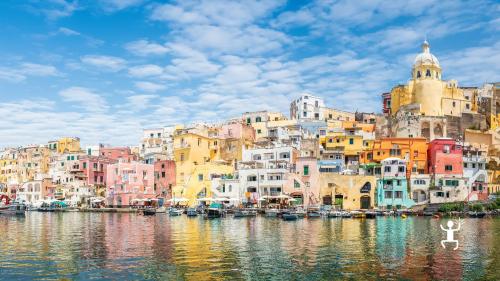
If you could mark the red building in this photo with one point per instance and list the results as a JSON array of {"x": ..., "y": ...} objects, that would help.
[
  {"x": 164, "y": 178},
  {"x": 445, "y": 157},
  {"x": 386, "y": 103},
  {"x": 119, "y": 154}
]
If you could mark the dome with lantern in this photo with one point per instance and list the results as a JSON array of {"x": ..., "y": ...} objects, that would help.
[{"x": 426, "y": 58}]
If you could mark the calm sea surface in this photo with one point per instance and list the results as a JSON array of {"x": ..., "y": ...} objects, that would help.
[{"x": 95, "y": 246}]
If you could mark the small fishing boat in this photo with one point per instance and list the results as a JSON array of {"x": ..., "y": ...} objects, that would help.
[
  {"x": 477, "y": 214},
  {"x": 244, "y": 213},
  {"x": 272, "y": 212},
  {"x": 14, "y": 209},
  {"x": 370, "y": 214},
  {"x": 191, "y": 212},
  {"x": 214, "y": 211},
  {"x": 346, "y": 214},
  {"x": 358, "y": 215},
  {"x": 289, "y": 216},
  {"x": 334, "y": 214},
  {"x": 300, "y": 213},
  {"x": 313, "y": 214},
  {"x": 149, "y": 211},
  {"x": 175, "y": 212}
]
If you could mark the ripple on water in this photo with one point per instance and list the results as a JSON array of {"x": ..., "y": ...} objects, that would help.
[{"x": 87, "y": 246}]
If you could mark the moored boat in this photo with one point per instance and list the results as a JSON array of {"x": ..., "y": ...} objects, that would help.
[
  {"x": 161, "y": 209},
  {"x": 358, "y": 215},
  {"x": 191, "y": 212},
  {"x": 477, "y": 214},
  {"x": 214, "y": 211},
  {"x": 289, "y": 216},
  {"x": 14, "y": 209},
  {"x": 271, "y": 212},
  {"x": 244, "y": 213},
  {"x": 175, "y": 212},
  {"x": 370, "y": 214},
  {"x": 149, "y": 211}
]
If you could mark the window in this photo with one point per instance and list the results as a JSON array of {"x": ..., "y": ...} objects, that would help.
[
  {"x": 415, "y": 153},
  {"x": 306, "y": 170},
  {"x": 451, "y": 182},
  {"x": 316, "y": 104},
  {"x": 401, "y": 169},
  {"x": 388, "y": 194},
  {"x": 304, "y": 114},
  {"x": 252, "y": 178},
  {"x": 249, "y": 120},
  {"x": 259, "y": 131},
  {"x": 85, "y": 165},
  {"x": 395, "y": 152},
  {"x": 398, "y": 182},
  {"x": 199, "y": 141},
  {"x": 182, "y": 156},
  {"x": 427, "y": 73},
  {"x": 473, "y": 165},
  {"x": 398, "y": 194},
  {"x": 316, "y": 116},
  {"x": 95, "y": 165},
  {"x": 258, "y": 119},
  {"x": 419, "y": 74},
  {"x": 467, "y": 106},
  {"x": 200, "y": 177},
  {"x": 448, "y": 167},
  {"x": 387, "y": 169},
  {"x": 453, "y": 104},
  {"x": 163, "y": 174},
  {"x": 101, "y": 179}
]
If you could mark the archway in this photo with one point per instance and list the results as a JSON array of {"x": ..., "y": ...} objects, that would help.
[
  {"x": 365, "y": 201},
  {"x": 425, "y": 130},
  {"x": 327, "y": 200},
  {"x": 438, "y": 131}
]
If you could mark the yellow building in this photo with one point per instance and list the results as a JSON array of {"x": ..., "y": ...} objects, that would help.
[
  {"x": 65, "y": 145},
  {"x": 426, "y": 89},
  {"x": 8, "y": 171},
  {"x": 349, "y": 192},
  {"x": 197, "y": 151}
]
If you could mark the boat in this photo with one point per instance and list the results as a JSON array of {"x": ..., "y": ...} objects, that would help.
[
  {"x": 191, "y": 212},
  {"x": 370, "y": 214},
  {"x": 334, "y": 214},
  {"x": 313, "y": 214},
  {"x": 175, "y": 212},
  {"x": 477, "y": 214},
  {"x": 214, "y": 211},
  {"x": 346, "y": 214},
  {"x": 14, "y": 209},
  {"x": 300, "y": 213},
  {"x": 244, "y": 213},
  {"x": 288, "y": 216},
  {"x": 149, "y": 211},
  {"x": 358, "y": 215},
  {"x": 46, "y": 207},
  {"x": 403, "y": 216},
  {"x": 272, "y": 213}
]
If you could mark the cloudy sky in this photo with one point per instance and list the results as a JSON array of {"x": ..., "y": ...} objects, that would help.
[{"x": 104, "y": 70}]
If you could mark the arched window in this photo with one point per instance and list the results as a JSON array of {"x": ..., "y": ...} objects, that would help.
[
  {"x": 418, "y": 74},
  {"x": 258, "y": 119},
  {"x": 427, "y": 73}
]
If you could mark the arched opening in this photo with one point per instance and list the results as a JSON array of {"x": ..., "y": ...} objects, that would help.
[
  {"x": 298, "y": 198},
  {"x": 365, "y": 202},
  {"x": 428, "y": 73},
  {"x": 419, "y": 74},
  {"x": 419, "y": 196},
  {"x": 258, "y": 119},
  {"x": 425, "y": 130},
  {"x": 438, "y": 131}
]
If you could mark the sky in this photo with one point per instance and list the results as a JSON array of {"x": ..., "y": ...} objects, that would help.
[{"x": 103, "y": 70}]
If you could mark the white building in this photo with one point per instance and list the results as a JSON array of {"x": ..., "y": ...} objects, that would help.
[
  {"x": 262, "y": 173},
  {"x": 307, "y": 107},
  {"x": 474, "y": 158},
  {"x": 157, "y": 144}
]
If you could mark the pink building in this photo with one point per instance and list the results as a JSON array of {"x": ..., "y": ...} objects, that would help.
[
  {"x": 94, "y": 169},
  {"x": 304, "y": 185},
  {"x": 238, "y": 131},
  {"x": 128, "y": 181},
  {"x": 119, "y": 154},
  {"x": 164, "y": 178},
  {"x": 445, "y": 157}
]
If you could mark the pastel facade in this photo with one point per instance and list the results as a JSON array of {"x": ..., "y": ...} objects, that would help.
[
  {"x": 348, "y": 192},
  {"x": 119, "y": 154},
  {"x": 164, "y": 178},
  {"x": 474, "y": 159},
  {"x": 392, "y": 187},
  {"x": 128, "y": 181},
  {"x": 93, "y": 171},
  {"x": 157, "y": 143},
  {"x": 304, "y": 184}
]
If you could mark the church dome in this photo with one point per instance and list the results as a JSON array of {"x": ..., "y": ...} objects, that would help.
[{"x": 426, "y": 58}]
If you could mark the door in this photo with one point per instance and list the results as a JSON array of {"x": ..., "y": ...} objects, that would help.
[
  {"x": 339, "y": 201},
  {"x": 365, "y": 202}
]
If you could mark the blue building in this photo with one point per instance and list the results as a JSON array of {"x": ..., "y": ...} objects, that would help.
[{"x": 392, "y": 187}]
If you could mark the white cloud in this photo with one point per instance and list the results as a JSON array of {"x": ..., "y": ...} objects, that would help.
[
  {"x": 149, "y": 86},
  {"x": 84, "y": 98},
  {"x": 116, "y": 5},
  {"x": 146, "y": 70},
  {"x": 140, "y": 102},
  {"x": 146, "y": 48},
  {"x": 68, "y": 31},
  {"x": 38, "y": 69},
  {"x": 106, "y": 63}
]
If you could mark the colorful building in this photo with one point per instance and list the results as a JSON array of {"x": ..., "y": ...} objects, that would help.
[
  {"x": 119, "y": 154},
  {"x": 392, "y": 187},
  {"x": 348, "y": 192},
  {"x": 164, "y": 178},
  {"x": 126, "y": 182}
]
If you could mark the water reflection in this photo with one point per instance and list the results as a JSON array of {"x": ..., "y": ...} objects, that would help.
[{"x": 86, "y": 246}]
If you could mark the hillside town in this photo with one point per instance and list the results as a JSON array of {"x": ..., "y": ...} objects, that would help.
[{"x": 434, "y": 142}]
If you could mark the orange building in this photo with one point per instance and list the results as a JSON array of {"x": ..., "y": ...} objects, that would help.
[{"x": 413, "y": 150}]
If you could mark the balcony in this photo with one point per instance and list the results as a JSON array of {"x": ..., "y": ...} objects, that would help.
[{"x": 182, "y": 146}]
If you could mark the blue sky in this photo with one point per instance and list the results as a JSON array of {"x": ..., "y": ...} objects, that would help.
[{"x": 104, "y": 70}]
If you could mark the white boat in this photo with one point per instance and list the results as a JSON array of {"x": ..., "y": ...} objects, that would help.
[
  {"x": 272, "y": 212},
  {"x": 161, "y": 209},
  {"x": 175, "y": 212}
]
